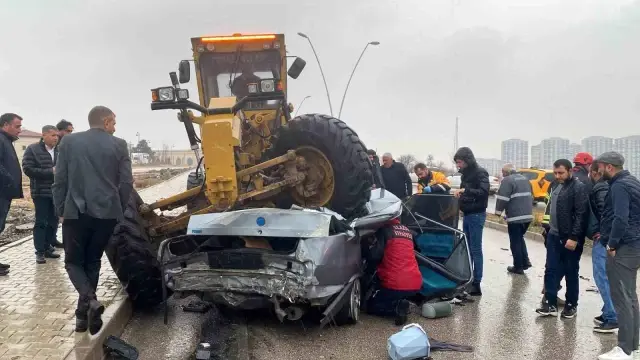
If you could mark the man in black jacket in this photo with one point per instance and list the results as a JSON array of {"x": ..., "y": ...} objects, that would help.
[
  {"x": 10, "y": 173},
  {"x": 38, "y": 164},
  {"x": 607, "y": 322},
  {"x": 396, "y": 177},
  {"x": 620, "y": 233},
  {"x": 474, "y": 197},
  {"x": 569, "y": 217},
  {"x": 377, "y": 174}
]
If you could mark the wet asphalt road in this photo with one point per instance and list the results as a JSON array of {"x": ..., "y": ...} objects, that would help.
[{"x": 500, "y": 325}]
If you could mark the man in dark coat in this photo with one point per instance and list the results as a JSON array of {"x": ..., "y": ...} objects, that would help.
[
  {"x": 473, "y": 197},
  {"x": 377, "y": 174},
  {"x": 396, "y": 177},
  {"x": 620, "y": 234},
  {"x": 38, "y": 163},
  {"x": 93, "y": 183},
  {"x": 568, "y": 225},
  {"x": 10, "y": 172}
]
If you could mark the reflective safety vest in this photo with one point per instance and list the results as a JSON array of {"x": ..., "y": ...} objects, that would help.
[{"x": 547, "y": 209}]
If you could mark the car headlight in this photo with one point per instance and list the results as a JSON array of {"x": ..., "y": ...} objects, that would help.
[
  {"x": 166, "y": 94},
  {"x": 183, "y": 94},
  {"x": 268, "y": 85},
  {"x": 253, "y": 88}
]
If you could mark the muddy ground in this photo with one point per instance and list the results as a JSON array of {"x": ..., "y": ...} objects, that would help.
[{"x": 22, "y": 215}]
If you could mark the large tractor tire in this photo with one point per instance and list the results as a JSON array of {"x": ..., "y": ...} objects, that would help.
[
  {"x": 134, "y": 260},
  {"x": 351, "y": 176}
]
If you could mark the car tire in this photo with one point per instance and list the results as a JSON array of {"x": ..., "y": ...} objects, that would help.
[
  {"x": 133, "y": 258},
  {"x": 349, "y": 314},
  {"x": 352, "y": 170}
]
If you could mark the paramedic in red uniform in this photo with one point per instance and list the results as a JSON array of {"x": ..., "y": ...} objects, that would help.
[{"x": 398, "y": 275}]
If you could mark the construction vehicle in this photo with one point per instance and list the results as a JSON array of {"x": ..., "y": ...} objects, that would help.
[{"x": 250, "y": 152}]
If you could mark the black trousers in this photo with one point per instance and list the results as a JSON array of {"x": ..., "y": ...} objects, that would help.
[
  {"x": 5, "y": 205},
  {"x": 85, "y": 239},
  {"x": 46, "y": 226},
  {"x": 518, "y": 244}
]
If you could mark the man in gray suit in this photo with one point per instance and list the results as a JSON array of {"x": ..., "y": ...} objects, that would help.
[{"x": 93, "y": 182}]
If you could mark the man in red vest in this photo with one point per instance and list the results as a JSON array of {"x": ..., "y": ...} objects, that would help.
[{"x": 398, "y": 275}]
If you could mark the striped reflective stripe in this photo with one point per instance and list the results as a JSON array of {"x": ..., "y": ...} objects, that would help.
[
  {"x": 522, "y": 217},
  {"x": 500, "y": 197},
  {"x": 442, "y": 187},
  {"x": 521, "y": 194}
]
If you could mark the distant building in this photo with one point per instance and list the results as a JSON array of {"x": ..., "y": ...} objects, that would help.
[
  {"x": 596, "y": 145},
  {"x": 493, "y": 166},
  {"x": 536, "y": 159},
  {"x": 553, "y": 149},
  {"x": 516, "y": 152},
  {"x": 629, "y": 147},
  {"x": 573, "y": 150},
  {"x": 26, "y": 138},
  {"x": 176, "y": 157}
]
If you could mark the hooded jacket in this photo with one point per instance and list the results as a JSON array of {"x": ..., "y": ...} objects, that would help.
[
  {"x": 581, "y": 173},
  {"x": 474, "y": 181}
]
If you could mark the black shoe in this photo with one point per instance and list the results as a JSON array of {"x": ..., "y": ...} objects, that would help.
[
  {"x": 598, "y": 320},
  {"x": 513, "y": 270},
  {"x": 51, "y": 255},
  {"x": 527, "y": 265},
  {"x": 58, "y": 244},
  {"x": 40, "y": 259},
  {"x": 4, "y": 272},
  {"x": 474, "y": 290},
  {"x": 402, "y": 312},
  {"x": 606, "y": 327},
  {"x": 81, "y": 324},
  {"x": 5, "y": 266},
  {"x": 95, "y": 316},
  {"x": 569, "y": 311},
  {"x": 547, "y": 310}
]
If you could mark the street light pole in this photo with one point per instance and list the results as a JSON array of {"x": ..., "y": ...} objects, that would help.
[
  {"x": 321, "y": 72},
  {"x": 299, "y": 106},
  {"x": 374, "y": 43}
]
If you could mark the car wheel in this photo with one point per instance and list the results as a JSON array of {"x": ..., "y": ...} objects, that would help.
[{"x": 350, "y": 312}]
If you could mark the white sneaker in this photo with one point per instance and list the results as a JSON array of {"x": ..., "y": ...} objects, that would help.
[{"x": 616, "y": 354}]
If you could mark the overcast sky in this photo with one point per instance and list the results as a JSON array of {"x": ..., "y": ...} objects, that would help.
[{"x": 506, "y": 68}]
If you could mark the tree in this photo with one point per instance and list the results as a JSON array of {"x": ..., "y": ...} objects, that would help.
[
  {"x": 143, "y": 147},
  {"x": 441, "y": 166},
  {"x": 430, "y": 160},
  {"x": 408, "y": 161}
]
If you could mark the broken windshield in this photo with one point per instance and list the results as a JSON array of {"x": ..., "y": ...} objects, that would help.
[{"x": 228, "y": 74}]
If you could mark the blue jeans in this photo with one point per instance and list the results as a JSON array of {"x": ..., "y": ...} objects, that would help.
[
  {"x": 561, "y": 260},
  {"x": 599, "y": 262},
  {"x": 473, "y": 225}
]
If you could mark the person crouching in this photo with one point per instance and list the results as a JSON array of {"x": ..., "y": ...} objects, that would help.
[{"x": 397, "y": 274}]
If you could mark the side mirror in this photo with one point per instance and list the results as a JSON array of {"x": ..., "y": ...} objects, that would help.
[
  {"x": 184, "y": 69},
  {"x": 296, "y": 68}
]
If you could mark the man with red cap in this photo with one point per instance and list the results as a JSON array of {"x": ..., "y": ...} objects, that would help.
[{"x": 581, "y": 165}]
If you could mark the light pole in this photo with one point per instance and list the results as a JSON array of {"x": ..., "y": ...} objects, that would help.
[
  {"x": 374, "y": 43},
  {"x": 299, "y": 106},
  {"x": 321, "y": 72}
]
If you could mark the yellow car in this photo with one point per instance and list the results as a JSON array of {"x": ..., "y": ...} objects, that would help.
[{"x": 540, "y": 181}]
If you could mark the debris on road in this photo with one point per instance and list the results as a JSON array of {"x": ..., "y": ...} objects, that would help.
[
  {"x": 197, "y": 306},
  {"x": 117, "y": 349}
]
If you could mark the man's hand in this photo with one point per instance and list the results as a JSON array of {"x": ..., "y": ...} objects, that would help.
[
  {"x": 426, "y": 190},
  {"x": 373, "y": 186},
  {"x": 53, "y": 169},
  {"x": 596, "y": 236},
  {"x": 61, "y": 219},
  {"x": 571, "y": 245},
  {"x": 458, "y": 193},
  {"x": 611, "y": 252}
]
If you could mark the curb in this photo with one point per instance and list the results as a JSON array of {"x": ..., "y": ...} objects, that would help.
[
  {"x": 115, "y": 317},
  {"x": 501, "y": 227}
]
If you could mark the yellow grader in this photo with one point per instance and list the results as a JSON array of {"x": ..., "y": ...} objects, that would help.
[{"x": 251, "y": 152}]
